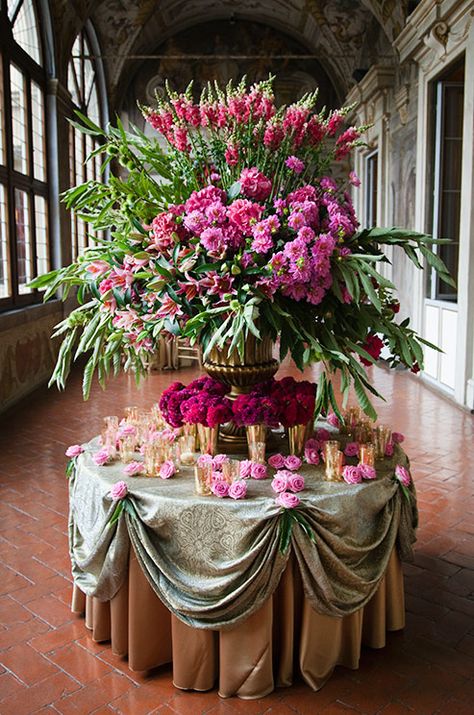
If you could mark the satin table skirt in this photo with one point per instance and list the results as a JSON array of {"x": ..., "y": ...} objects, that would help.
[{"x": 254, "y": 657}]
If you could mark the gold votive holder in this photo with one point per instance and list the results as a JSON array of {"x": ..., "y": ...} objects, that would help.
[
  {"x": 127, "y": 449},
  {"x": 231, "y": 470},
  {"x": 367, "y": 454},
  {"x": 187, "y": 445},
  {"x": 202, "y": 479},
  {"x": 152, "y": 459},
  {"x": 257, "y": 452},
  {"x": 382, "y": 436},
  {"x": 333, "y": 461},
  {"x": 208, "y": 439},
  {"x": 131, "y": 414},
  {"x": 297, "y": 437}
]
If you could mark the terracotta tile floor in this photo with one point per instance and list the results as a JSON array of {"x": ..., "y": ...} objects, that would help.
[{"x": 49, "y": 664}]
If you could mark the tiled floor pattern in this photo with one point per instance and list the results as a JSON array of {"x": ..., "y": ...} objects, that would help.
[{"x": 49, "y": 664}]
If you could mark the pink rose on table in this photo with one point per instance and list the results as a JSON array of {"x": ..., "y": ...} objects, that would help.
[
  {"x": 389, "y": 449},
  {"x": 258, "y": 471},
  {"x": 351, "y": 449},
  {"x": 403, "y": 475},
  {"x": 167, "y": 469},
  {"x": 280, "y": 482},
  {"x": 101, "y": 457},
  {"x": 133, "y": 468},
  {"x": 74, "y": 450},
  {"x": 352, "y": 475},
  {"x": 204, "y": 459},
  {"x": 398, "y": 437},
  {"x": 277, "y": 461},
  {"x": 322, "y": 434},
  {"x": 238, "y": 489},
  {"x": 245, "y": 468},
  {"x": 292, "y": 462},
  {"x": 333, "y": 420},
  {"x": 296, "y": 483},
  {"x": 313, "y": 444},
  {"x": 311, "y": 456},
  {"x": 126, "y": 430},
  {"x": 367, "y": 471},
  {"x": 219, "y": 460},
  {"x": 118, "y": 491},
  {"x": 287, "y": 500},
  {"x": 220, "y": 488}
]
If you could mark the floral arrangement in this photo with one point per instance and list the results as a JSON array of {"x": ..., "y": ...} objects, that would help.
[
  {"x": 230, "y": 224},
  {"x": 203, "y": 402}
]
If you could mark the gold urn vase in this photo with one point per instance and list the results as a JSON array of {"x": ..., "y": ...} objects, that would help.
[{"x": 241, "y": 374}]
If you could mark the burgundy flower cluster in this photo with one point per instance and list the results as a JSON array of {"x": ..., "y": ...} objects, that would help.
[
  {"x": 202, "y": 402},
  {"x": 288, "y": 402}
]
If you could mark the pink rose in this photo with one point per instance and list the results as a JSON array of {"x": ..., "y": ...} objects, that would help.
[
  {"x": 312, "y": 444},
  {"x": 126, "y": 430},
  {"x": 292, "y": 462},
  {"x": 118, "y": 491},
  {"x": 333, "y": 420},
  {"x": 219, "y": 460},
  {"x": 167, "y": 469},
  {"x": 389, "y": 449},
  {"x": 398, "y": 437},
  {"x": 367, "y": 471},
  {"x": 279, "y": 482},
  {"x": 352, "y": 475},
  {"x": 204, "y": 459},
  {"x": 403, "y": 475},
  {"x": 311, "y": 456},
  {"x": 351, "y": 449},
  {"x": 245, "y": 468},
  {"x": 220, "y": 488},
  {"x": 74, "y": 450},
  {"x": 322, "y": 434},
  {"x": 238, "y": 489},
  {"x": 258, "y": 471},
  {"x": 101, "y": 457},
  {"x": 287, "y": 500},
  {"x": 296, "y": 483},
  {"x": 276, "y": 461},
  {"x": 133, "y": 468}
]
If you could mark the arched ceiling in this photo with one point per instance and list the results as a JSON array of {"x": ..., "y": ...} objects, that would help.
[{"x": 341, "y": 33}]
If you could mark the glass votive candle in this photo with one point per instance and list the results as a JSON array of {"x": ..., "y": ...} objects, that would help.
[
  {"x": 257, "y": 452},
  {"x": 187, "y": 444},
  {"x": 151, "y": 459},
  {"x": 367, "y": 454},
  {"x": 382, "y": 436},
  {"x": 333, "y": 461},
  {"x": 127, "y": 449},
  {"x": 202, "y": 479},
  {"x": 231, "y": 470},
  {"x": 131, "y": 414}
]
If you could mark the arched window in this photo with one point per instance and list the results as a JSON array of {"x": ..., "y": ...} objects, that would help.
[
  {"x": 86, "y": 87},
  {"x": 24, "y": 241}
]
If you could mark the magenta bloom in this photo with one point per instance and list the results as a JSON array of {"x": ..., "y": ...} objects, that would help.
[
  {"x": 367, "y": 471},
  {"x": 254, "y": 184},
  {"x": 74, "y": 450},
  {"x": 403, "y": 475},
  {"x": 276, "y": 461},
  {"x": 398, "y": 437},
  {"x": 311, "y": 455},
  {"x": 287, "y": 500},
  {"x": 333, "y": 419},
  {"x": 258, "y": 471},
  {"x": 351, "y": 449},
  {"x": 238, "y": 489},
  {"x": 293, "y": 462},
  {"x": 389, "y": 449},
  {"x": 295, "y": 164},
  {"x": 118, "y": 491}
]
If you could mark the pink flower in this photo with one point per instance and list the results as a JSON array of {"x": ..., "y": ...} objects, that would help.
[
  {"x": 352, "y": 475},
  {"x": 367, "y": 471},
  {"x": 354, "y": 179},
  {"x": 287, "y": 500},
  {"x": 254, "y": 184},
  {"x": 258, "y": 471},
  {"x": 295, "y": 164},
  {"x": 293, "y": 462},
  {"x": 126, "y": 430},
  {"x": 74, "y": 450},
  {"x": 101, "y": 457},
  {"x": 220, "y": 488},
  {"x": 398, "y": 437},
  {"x": 219, "y": 460},
  {"x": 167, "y": 469},
  {"x": 403, "y": 475},
  {"x": 312, "y": 444},
  {"x": 322, "y": 435},
  {"x": 280, "y": 482},
  {"x": 333, "y": 420},
  {"x": 389, "y": 449},
  {"x": 351, "y": 449},
  {"x": 245, "y": 468},
  {"x": 311, "y": 455},
  {"x": 296, "y": 483},
  {"x": 276, "y": 461},
  {"x": 118, "y": 491},
  {"x": 98, "y": 267},
  {"x": 133, "y": 468},
  {"x": 204, "y": 459},
  {"x": 238, "y": 489}
]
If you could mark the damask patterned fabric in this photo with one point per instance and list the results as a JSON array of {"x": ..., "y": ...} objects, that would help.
[{"x": 213, "y": 562}]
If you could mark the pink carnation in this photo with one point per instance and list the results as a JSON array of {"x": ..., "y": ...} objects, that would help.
[
  {"x": 403, "y": 475},
  {"x": 254, "y": 184},
  {"x": 167, "y": 469},
  {"x": 287, "y": 500},
  {"x": 74, "y": 450},
  {"x": 238, "y": 489},
  {"x": 133, "y": 468},
  {"x": 276, "y": 461},
  {"x": 258, "y": 471},
  {"x": 352, "y": 475},
  {"x": 296, "y": 483},
  {"x": 101, "y": 457},
  {"x": 118, "y": 491},
  {"x": 220, "y": 488}
]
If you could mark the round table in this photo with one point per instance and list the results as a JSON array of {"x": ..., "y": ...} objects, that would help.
[{"x": 200, "y": 581}]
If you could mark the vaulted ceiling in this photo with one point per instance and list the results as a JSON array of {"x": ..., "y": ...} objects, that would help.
[{"x": 342, "y": 34}]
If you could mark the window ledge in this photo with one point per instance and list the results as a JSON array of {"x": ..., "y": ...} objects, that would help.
[{"x": 28, "y": 314}]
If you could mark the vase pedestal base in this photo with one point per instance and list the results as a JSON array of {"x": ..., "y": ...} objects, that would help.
[{"x": 233, "y": 440}]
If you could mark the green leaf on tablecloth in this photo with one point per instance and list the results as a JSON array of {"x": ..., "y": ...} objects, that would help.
[
  {"x": 70, "y": 468},
  {"x": 285, "y": 525},
  {"x": 117, "y": 511},
  {"x": 302, "y": 521}
]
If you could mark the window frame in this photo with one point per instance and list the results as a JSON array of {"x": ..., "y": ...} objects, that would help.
[
  {"x": 371, "y": 180},
  {"x": 13, "y": 54}
]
